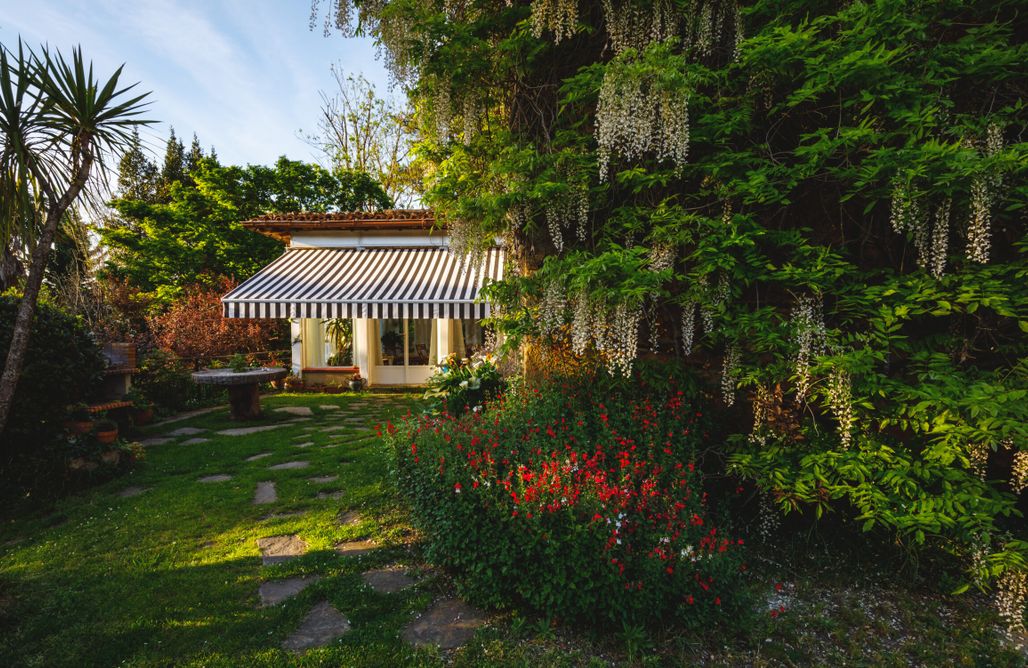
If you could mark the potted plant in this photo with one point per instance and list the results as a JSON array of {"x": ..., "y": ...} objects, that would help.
[
  {"x": 356, "y": 382},
  {"x": 80, "y": 420},
  {"x": 142, "y": 408},
  {"x": 238, "y": 363},
  {"x": 293, "y": 382},
  {"x": 106, "y": 431}
]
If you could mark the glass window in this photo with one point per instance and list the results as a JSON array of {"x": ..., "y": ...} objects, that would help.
[
  {"x": 474, "y": 336},
  {"x": 390, "y": 334},
  {"x": 421, "y": 349},
  {"x": 339, "y": 336}
]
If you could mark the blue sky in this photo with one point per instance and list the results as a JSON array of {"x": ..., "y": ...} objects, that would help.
[{"x": 243, "y": 74}]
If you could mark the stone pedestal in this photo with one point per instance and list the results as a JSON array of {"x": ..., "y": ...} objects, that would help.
[
  {"x": 245, "y": 401},
  {"x": 242, "y": 386}
]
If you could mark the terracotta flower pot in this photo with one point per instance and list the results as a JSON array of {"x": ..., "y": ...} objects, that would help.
[
  {"x": 107, "y": 437},
  {"x": 79, "y": 426},
  {"x": 142, "y": 416}
]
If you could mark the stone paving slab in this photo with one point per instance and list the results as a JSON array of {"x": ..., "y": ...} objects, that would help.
[
  {"x": 283, "y": 515},
  {"x": 387, "y": 580},
  {"x": 303, "y": 445},
  {"x": 322, "y": 479},
  {"x": 195, "y": 441},
  {"x": 186, "y": 431},
  {"x": 448, "y": 624},
  {"x": 335, "y": 428},
  {"x": 334, "y": 495},
  {"x": 302, "y": 411},
  {"x": 328, "y": 407},
  {"x": 265, "y": 494},
  {"x": 254, "y": 458},
  {"x": 218, "y": 477},
  {"x": 156, "y": 440},
  {"x": 289, "y": 465},
  {"x": 322, "y": 625},
  {"x": 356, "y": 548},
  {"x": 246, "y": 431},
  {"x": 348, "y": 518},
  {"x": 274, "y": 592},
  {"x": 134, "y": 490},
  {"x": 276, "y": 549}
]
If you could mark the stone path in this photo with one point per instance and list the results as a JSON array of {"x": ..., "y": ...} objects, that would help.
[
  {"x": 387, "y": 580},
  {"x": 276, "y": 549},
  {"x": 217, "y": 477},
  {"x": 289, "y": 465},
  {"x": 303, "y": 445},
  {"x": 245, "y": 431},
  {"x": 356, "y": 548},
  {"x": 135, "y": 490},
  {"x": 274, "y": 592},
  {"x": 265, "y": 494},
  {"x": 195, "y": 441},
  {"x": 186, "y": 431},
  {"x": 447, "y": 624},
  {"x": 261, "y": 455},
  {"x": 302, "y": 411},
  {"x": 156, "y": 440},
  {"x": 348, "y": 518},
  {"x": 322, "y": 479},
  {"x": 334, "y": 495},
  {"x": 322, "y": 625},
  {"x": 328, "y": 407}
]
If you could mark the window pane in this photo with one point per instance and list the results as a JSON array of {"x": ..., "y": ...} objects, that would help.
[
  {"x": 390, "y": 333},
  {"x": 474, "y": 336},
  {"x": 420, "y": 334},
  {"x": 339, "y": 333}
]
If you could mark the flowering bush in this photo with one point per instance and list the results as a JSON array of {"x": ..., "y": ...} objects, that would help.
[
  {"x": 573, "y": 506},
  {"x": 465, "y": 383}
]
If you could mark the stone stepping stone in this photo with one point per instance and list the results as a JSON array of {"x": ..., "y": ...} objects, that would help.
[
  {"x": 276, "y": 549},
  {"x": 303, "y": 445},
  {"x": 356, "y": 548},
  {"x": 331, "y": 445},
  {"x": 135, "y": 490},
  {"x": 448, "y": 624},
  {"x": 284, "y": 515},
  {"x": 218, "y": 477},
  {"x": 333, "y": 495},
  {"x": 387, "y": 580},
  {"x": 274, "y": 592},
  {"x": 302, "y": 411},
  {"x": 331, "y": 429},
  {"x": 348, "y": 518},
  {"x": 195, "y": 441},
  {"x": 289, "y": 465},
  {"x": 322, "y": 479},
  {"x": 186, "y": 431},
  {"x": 246, "y": 431},
  {"x": 156, "y": 440},
  {"x": 327, "y": 407},
  {"x": 265, "y": 494},
  {"x": 261, "y": 455},
  {"x": 322, "y": 625}
]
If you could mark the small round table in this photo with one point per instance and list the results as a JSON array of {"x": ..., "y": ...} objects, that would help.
[{"x": 242, "y": 387}]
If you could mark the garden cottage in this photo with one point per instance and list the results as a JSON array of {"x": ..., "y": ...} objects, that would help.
[{"x": 374, "y": 292}]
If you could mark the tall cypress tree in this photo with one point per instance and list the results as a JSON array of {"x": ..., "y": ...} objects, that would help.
[{"x": 174, "y": 169}]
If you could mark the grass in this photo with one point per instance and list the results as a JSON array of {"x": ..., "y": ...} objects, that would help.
[{"x": 170, "y": 577}]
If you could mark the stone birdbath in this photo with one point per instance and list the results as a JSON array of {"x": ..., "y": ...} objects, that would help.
[{"x": 242, "y": 387}]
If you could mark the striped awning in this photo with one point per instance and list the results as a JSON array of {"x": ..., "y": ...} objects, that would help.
[{"x": 366, "y": 283}]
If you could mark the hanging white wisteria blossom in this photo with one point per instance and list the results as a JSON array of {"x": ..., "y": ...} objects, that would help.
[
  {"x": 979, "y": 222},
  {"x": 552, "y": 308},
  {"x": 638, "y": 115},
  {"x": 688, "y": 326},
  {"x": 570, "y": 209},
  {"x": 1019, "y": 472},
  {"x": 633, "y": 25},
  {"x": 729, "y": 369},
  {"x": 662, "y": 257},
  {"x": 810, "y": 337},
  {"x": 1011, "y": 595},
  {"x": 712, "y": 20},
  {"x": 840, "y": 401},
  {"x": 581, "y": 323},
  {"x": 623, "y": 342},
  {"x": 557, "y": 16},
  {"x": 978, "y": 456},
  {"x": 940, "y": 239}
]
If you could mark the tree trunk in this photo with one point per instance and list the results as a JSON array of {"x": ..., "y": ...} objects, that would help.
[{"x": 40, "y": 255}]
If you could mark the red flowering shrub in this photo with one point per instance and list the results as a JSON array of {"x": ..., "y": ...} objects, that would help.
[
  {"x": 194, "y": 328},
  {"x": 574, "y": 507}
]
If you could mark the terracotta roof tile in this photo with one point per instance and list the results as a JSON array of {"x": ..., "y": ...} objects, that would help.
[{"x": 282, "y": 225}]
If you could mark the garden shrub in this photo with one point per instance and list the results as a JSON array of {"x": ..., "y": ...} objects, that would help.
[
  {"x": 577, "y": 502},
  {"x": 165, "y": 379},
  {"x": 63, "y": 366},
  {"x": 464, "y": 384}
]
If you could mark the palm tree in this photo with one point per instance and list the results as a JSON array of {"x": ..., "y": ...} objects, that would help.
[{"x": 57, "y": 123}]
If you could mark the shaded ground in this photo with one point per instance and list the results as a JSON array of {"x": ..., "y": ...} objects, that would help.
[{"x": 158, "y": 567}]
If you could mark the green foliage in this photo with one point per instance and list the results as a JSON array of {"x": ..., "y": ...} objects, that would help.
[
  {"x": 62, "y": 367},
  {"x": 165, "y": 380},
  {"x": 193, "y": 232},
  {"x": 465, "y": 384},
  {"x": 580, "y": 501},
  {"x": 866, "y": 158}
]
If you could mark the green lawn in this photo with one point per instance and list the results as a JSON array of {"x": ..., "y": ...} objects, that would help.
[{"x": 170, "y": 577}]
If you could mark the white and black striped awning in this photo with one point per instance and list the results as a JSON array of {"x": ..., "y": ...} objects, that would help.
[{"x": 366, "y": 283}]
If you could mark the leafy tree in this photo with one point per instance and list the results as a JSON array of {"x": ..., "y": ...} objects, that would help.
[
  {"x": 196, "y": 235},
  {"x": 195, "y": 155},
  {"x": 137, "y": 174},
  {"x": 820, "y": 204},
  {"x": 57, "y": 122},
  {"x": 174, "y": 168},
  {"x": 362, "y": 132}
]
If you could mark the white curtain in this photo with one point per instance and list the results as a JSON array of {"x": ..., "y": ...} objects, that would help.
[
  {"x": 457, "y": 339},
  {"x": 313, "y": 343}
]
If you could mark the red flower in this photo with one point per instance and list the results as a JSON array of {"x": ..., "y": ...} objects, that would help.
[{"x": 717, "y": 600}]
